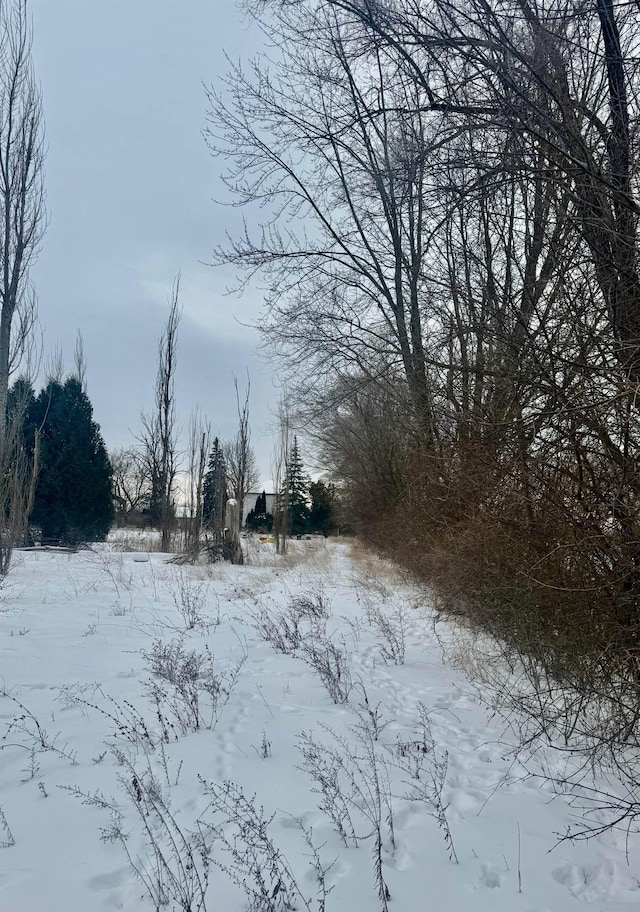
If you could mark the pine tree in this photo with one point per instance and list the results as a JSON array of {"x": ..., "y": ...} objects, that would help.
[
  {"x": 73, "y": 497},
  {"x": 296, "y": 488},
  {"x": 214, "y": 491},
  {"x": 258, "y": 520},
  {"x": 321, "y": 518}
]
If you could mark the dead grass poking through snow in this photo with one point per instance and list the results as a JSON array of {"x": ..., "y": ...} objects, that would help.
[
  {"x": 314, "y": 554},
  {"x": 374, "y": 574}
]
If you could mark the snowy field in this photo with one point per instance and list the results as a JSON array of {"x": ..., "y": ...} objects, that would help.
[{"x": 267, "y": 737}]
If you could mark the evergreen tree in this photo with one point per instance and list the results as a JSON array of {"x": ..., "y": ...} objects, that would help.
[
  {"x": 258, "y": 520},
  {"x": 321, "y": 515},
  {"x": 20, "y": 400},
  {"x": 296, "y": 488},
  {"x": 73, "y": 498},
  {"x": 214, "y": 491}
]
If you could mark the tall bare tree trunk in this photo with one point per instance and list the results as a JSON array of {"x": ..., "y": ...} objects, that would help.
[
  {"x": 22, "y": 224},
  {"x": 22, "y": 210},
  {"x": 159, "y": 432}
]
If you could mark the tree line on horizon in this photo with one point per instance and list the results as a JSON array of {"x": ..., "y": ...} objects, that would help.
[{"x": 80, "y": 492}]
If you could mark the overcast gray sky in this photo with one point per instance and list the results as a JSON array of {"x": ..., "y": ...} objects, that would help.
[{"x": 130, "y": 185}]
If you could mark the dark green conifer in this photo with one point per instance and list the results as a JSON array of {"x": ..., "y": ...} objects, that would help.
[
  {"x": 296, "y": 489},
  {"x": 73, "y": 499},
  {"x": 215, "y": 491},
  {"x": 321, "y": 518}
]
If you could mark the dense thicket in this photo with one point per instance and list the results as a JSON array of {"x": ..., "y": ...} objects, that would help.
[{"x": 451, "y": 243}]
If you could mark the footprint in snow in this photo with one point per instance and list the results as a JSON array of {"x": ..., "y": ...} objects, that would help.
[
  {"x": 490, "y": 877},
  {"x": 465, "y": 803},
  {"x": 113, "y": 879},
  {"x": 598, "y": 882}
]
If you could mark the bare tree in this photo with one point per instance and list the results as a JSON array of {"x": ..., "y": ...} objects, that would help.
[
  {"x": 240, "y": 459},
  {"x": 22, "y": 209},
  {"x": 19, "y": 466},
  {"x": 344, "y": 148},
  {"x": 563, "y": 74},
  {"x": 22, "y": 224},
  {"x": 54, "y": 369},
  {"x": 279, "y": 463},
  {"x": 451, "y": 242},
  {"x": 159, "y": 435},
  {"x": 199, "y": 444},
  {"x": 131, "y": 481},
  {"x": 80, "y": 362}
]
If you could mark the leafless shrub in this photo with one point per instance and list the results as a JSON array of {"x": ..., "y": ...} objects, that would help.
[
  {"x": 190, "y": 693},
  {"x": 254, "y": 863},
  {"x": 304, "y": 616},
  {"x": 589, "y": 705},
  {"x": 176, "y": 867},
  {"x": 189, "y": 596},
  {"x": 33, "y": 768},
  {"x": 598, "y": 809},
  {"x": 7, "y": 839},
  {"x": 332, "y": 664},
  {"x": 392, "y": 626},
  {"x": 413, "y": 754},
  {"x": 370, "y": 716},
  {"x": 27, "y": 733},
  {"x": 300, "y": 630},
  {"x": 121, "y": 610},
  {"x": 355, "y": 625},
  {"x": 353, "y": 780},
  {"x": 129, "y": 724},
  {"x": 426, "y": 769},
  {"x": 172, "y": 661},
  {"x": 438, "y": 780},
  {"x": 326, "y": 767},
  {"x": 314, "y": 608},
  {"x": 589, "y": 716},
  {"x": 280, "y": 629},
  {"x": 114, "y": 569},
  {"x": 91, "y": 799}
]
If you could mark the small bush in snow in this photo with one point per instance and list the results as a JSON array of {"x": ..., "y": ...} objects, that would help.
[
  {"x": 241, "y": 830},
  {"x": 189, "y": 692},
  {"x": 391, "y": 625},
  {"x": 332, "y": 664},
  {"x": 189, "y": 597},
  {"x": 174, "y": 863},
  {"x": 353, "y": 780}
]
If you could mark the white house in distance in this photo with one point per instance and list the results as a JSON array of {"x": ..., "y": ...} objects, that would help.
[{"x": 250, "y": 503}]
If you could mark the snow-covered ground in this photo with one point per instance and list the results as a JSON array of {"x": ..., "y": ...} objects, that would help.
[{"x": 150, "y": 720}]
